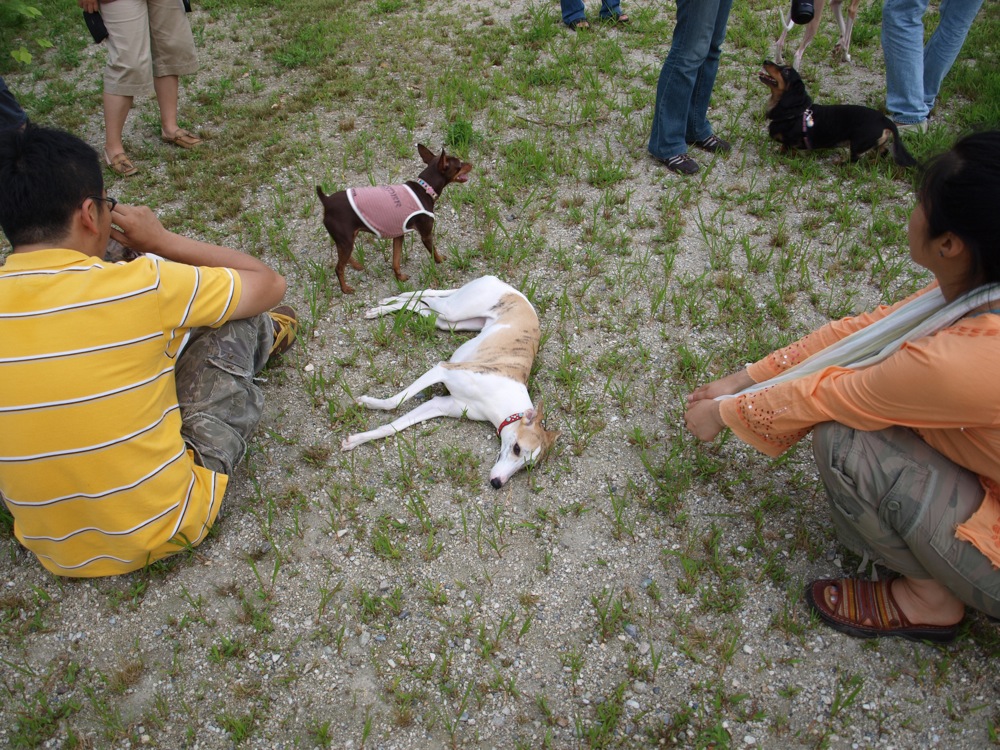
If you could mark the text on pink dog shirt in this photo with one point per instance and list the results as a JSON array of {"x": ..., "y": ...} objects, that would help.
[{"x": 385, "y": 209}]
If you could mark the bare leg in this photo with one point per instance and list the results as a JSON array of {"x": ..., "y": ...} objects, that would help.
[
  {"x": 927, "y": 602},
  {"x": 166, "y": 97},
  {"x": 116, "y": 109}
]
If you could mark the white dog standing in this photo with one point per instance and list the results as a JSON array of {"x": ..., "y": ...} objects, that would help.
[{"x": 486, "y": 377}]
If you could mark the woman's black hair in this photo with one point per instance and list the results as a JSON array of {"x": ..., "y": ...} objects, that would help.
[{"x": 960, "y": 193}]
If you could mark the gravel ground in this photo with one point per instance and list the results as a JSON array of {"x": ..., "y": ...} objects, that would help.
[{"x": 633, "y": 591}]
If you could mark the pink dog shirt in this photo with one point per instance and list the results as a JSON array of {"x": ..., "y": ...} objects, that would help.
[{"x": 385, "y": 209}]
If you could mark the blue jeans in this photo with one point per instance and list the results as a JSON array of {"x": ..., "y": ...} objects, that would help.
[
  {"x": 913, "y": 71},
  {"x": 11, "y": 114},
  {"x": 687, "y": 78},
  {"x": 572, "y": 10}
]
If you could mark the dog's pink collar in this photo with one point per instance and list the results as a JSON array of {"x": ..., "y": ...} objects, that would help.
[
  {"x": 510, "y": 420},
  {"x": 427, "y": 188}
]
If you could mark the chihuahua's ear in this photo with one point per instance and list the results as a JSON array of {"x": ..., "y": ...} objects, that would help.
[{"x": 425, "y": 153}]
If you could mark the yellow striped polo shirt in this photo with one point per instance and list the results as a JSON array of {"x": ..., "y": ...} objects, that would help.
[{"x": 92, "y": 464}]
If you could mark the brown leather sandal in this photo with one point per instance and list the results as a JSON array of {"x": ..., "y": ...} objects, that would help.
[
  {"x": 867, "y": 609},
  {"x": 121, "y": 165},
  {"x": 182, "y": 138}
]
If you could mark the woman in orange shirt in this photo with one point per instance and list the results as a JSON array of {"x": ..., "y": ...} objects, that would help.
[{"x": 903, "y": 405}]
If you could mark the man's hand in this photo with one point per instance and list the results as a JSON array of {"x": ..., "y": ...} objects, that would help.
[
  {"x": 139, "y": 229},
  {"x": 703, "y": 419},
  {"x": 89, "y": 6}
]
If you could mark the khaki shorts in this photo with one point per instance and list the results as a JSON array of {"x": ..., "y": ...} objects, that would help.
[
  {"x": 898, "y": 500},
  {"x": 146, "y": 39}
]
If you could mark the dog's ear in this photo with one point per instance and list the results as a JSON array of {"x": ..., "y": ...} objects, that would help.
[
  {"x": 535, "y": 412},
  {"x": 442, "y": 160},
  {"x": 425, "y": 153}
]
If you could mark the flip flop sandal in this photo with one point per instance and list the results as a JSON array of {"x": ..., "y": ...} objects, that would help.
[
  {"x": 867, "y": 609},
  {"x": 620, "y": 18},
  {"x": 286, "y": 328},
  {"x": 583, "y": 23},
  {"x": 121, "y": 165},
  {"x": 182, "y": 138}
]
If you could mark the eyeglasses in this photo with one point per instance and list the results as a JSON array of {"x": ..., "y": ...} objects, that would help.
[{"x": 110, "y": 201}]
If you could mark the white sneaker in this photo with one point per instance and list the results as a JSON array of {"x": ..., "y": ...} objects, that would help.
[{"x": 913, "y": 127}]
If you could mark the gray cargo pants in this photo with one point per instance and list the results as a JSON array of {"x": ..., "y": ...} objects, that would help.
[
  {"x": 898, "y": 500},
  {"x": 220, "y": 404}
]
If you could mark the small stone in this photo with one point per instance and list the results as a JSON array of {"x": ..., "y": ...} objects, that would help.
[
  {"x": 749, "y": 740},
  {"x": 632, "y": 630},
  {"x": 747, "y": 649}
]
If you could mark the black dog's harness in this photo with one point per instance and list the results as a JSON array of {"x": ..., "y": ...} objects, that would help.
[{"x": 807, "y": 123}]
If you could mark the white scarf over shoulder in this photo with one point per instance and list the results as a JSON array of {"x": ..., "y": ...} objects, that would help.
[{"x": 923, "y": 316}]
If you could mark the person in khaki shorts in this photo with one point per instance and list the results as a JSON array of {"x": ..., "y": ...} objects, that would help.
[
  {"x": 149, "y": 46},
  {"x": 903, "y": 405}
]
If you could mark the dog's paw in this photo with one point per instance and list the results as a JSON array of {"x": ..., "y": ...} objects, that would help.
[{"x": 347, "y": 445}]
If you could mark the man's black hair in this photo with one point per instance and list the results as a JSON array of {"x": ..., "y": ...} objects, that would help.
[{"x": 45, "y": 174}]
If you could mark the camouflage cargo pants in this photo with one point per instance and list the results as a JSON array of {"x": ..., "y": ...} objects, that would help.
[
  {"x": 899, "y": 500},
  {"x": 220, "y": 404}
]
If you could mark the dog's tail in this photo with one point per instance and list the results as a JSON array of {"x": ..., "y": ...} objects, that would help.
[{"x": 899, "y": 153}]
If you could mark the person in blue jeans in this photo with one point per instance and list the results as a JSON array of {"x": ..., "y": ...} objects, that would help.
[
  {"x": 913, "y": 70},
  {"x": 687, "y": 78},
  {"x": 11, "y": 114},
  {"x": 573, "y": 14}
]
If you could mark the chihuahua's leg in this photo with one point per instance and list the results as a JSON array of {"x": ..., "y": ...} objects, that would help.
[
  {"x": 436, "y": 374},
  {"x": 439, "y": 406},
  {"x": 425, "y": 227},
  {"x": 344, "y": 250},
  {"x": 397, "y": 258}
]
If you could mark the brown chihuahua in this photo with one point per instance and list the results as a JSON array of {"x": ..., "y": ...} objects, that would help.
[{"x": 390, "y": 211}]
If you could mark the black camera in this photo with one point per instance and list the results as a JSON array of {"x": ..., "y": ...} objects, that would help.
[{"x": 802, "y": 11}]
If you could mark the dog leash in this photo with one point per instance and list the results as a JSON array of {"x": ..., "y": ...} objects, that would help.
[
  {"x": 510, "y": 420},
  {"x": 427, "y": 188}
]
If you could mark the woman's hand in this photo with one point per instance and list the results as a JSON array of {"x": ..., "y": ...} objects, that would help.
[
  {"x": 703, "y": 419},
  {"x": 726, "y": 386},
  {"x": 89, "y": 6}
]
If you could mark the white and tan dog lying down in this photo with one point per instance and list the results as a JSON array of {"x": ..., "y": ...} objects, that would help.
[{"x": 486, "y": 377}]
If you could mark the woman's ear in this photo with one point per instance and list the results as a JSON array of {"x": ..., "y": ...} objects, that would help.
[{"x": 950, "y": 245}]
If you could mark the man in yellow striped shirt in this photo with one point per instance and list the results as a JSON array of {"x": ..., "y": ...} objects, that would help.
[{"x": 126, "y": 389}]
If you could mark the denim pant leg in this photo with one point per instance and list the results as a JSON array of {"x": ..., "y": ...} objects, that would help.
[
  {"x": 903, "y": 46},
  {"x": 897, "y": 499},
  {"x": 11, "y": 114},
  {"x": 685, "y": 73},
  {"x": 698, "y": 127},
  {"x": 610, "y": 8},
  {"x": 945, "y": 43},
  {"x": 572, "y": 11},
  {"x": 220, "y": 404}
]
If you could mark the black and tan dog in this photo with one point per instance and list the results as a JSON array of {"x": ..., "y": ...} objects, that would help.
[{"x": 797, "y": 123}]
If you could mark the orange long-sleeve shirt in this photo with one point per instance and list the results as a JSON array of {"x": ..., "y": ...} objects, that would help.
[{"x": 944, "y": 386}]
